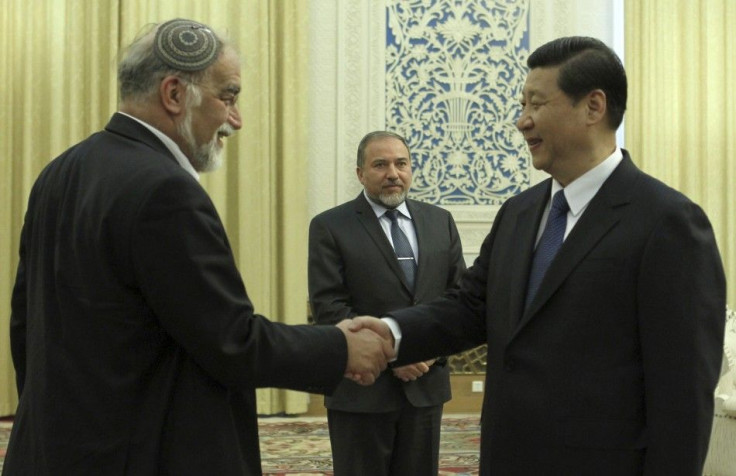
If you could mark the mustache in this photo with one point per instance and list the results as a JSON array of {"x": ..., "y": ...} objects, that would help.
[{"x": 225, "y": 130}]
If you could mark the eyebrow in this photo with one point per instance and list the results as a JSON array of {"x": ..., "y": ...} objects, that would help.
[
  {"x": 232, "y": 89},
  {"x": 383, "y": 159},
  {"x": 533, "y": 94}
]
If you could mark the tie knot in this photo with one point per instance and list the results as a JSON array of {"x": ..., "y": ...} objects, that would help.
[
  {"x": 559, "y": 203},
  {"x": 392, "y": 215}
]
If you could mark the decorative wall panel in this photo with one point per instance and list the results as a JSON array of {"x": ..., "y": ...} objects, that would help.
[{"x": 454, "y": 73}]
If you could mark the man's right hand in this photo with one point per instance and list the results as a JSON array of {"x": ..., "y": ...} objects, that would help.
[
  {"x": 368, "y": 353},
  {"x": 375, "y": 324}
]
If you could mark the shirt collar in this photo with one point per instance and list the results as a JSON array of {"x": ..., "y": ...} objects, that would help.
[
  {"x": 581, "y": 191},
  {"x": 380, "y": 210},
  {"x": 170, "y": 144}
]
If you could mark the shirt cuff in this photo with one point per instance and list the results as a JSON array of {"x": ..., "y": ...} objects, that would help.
[{"x": 396, "y": 332}]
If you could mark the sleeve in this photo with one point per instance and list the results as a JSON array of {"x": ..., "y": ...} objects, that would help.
[
  {"x": 18, "y": 319},
  {"x": 189, "y": 278},
  {"x": 681, "y": 298},
  {"x": 457, "y": 260},
  {"x": 329, "y": 296},
  {"x": 454, "y": 322}
]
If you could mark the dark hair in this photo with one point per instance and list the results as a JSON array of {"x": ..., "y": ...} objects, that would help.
[
  {"x": 586, "y": 64},
  {"x": 371, "y": 136}
]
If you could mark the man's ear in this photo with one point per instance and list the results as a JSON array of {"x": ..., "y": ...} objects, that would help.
[
  {"x": 596, "y": 106},
  {"x": 172, "y": 92},
  {"x": 359, "y": 173}
]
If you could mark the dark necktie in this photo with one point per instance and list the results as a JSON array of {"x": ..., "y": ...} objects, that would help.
[
  {"x": 549, "y": 244},
  {"x": 402, "y": 248}
]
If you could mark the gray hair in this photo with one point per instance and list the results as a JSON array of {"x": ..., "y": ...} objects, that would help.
[{"x": 141, "y": 70}]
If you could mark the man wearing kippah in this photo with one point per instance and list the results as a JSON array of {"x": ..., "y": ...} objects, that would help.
[{"x": 136, "y": 348}]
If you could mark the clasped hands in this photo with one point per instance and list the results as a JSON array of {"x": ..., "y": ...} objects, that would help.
[
  {"x": 370, "y": 348},
  {"x": 411, "y": 372}
]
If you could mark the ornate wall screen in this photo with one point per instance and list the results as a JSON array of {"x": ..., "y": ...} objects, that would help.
[{"x": 454, "y": 73}]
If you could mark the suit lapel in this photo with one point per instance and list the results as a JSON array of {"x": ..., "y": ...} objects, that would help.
[
  {"x": 368, "y": 220},
  {"x": 601, "y": 215},
  {"x": 525, "y": 232}
]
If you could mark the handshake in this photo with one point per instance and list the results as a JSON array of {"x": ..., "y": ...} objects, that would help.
[{"x": 370, "y": 348}]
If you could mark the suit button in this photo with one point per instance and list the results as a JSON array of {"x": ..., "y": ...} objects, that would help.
[
  {"x": 509, "y": 364},
  {"x": 414, "y": 302}
]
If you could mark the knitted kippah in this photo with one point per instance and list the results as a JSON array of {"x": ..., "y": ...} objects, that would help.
[{"x": 186, "y": 45}]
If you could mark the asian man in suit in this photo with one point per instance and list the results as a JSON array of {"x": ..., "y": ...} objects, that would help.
[
  {"x": 136, "y": 348},
  {"x": 600, "y": 293},
  {"x": 363, "y": 262}
]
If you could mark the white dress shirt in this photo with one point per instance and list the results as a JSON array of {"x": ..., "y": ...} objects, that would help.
[{"x": 581, "y": 191}]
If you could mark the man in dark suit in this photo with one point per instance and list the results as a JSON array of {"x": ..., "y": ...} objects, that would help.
[
  {"x": 136, "y": 348},
  {"x": 609, "y": 367},
  {"x": 357, "y": 266}
]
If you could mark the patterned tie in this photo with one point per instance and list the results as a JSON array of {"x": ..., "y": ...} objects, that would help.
[
  {"x": 548, "y": 245},
  {"x": 402, "y": 248}
]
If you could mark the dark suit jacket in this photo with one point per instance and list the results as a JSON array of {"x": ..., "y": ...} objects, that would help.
[
  {"x": 611, "y": 370},
  {"x": 353, "y": 271},
  {"x": 136, "y": 348}
]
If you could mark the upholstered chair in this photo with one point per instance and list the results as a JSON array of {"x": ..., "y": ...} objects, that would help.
[{"x": 721, "y": 460}]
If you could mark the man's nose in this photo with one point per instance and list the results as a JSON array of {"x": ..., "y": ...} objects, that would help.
[
  {"x": 234, "y": 118},
  {"x": 524, "y": 121}
]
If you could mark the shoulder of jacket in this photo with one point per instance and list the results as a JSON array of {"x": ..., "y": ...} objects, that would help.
[{"x": 337, "y": 212}]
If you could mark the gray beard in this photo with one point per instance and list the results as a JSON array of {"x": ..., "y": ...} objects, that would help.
[
  {"x": 389, "y": 200},
  {"x": 206, "y": 157}
]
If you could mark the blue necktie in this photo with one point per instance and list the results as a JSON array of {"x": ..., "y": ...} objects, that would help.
[
  {"x": 402, "y": 248},
  {"x": 549, "y": 244}
]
